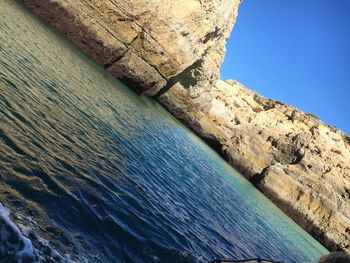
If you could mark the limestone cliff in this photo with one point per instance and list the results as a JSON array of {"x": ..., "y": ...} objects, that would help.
[
  {"x": 145, "y": 43},
  {"x": 300, "y": 163},
  {"x": 172, "y": 51}
]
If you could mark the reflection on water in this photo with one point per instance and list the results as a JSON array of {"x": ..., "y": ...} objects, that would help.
[{"x": 91, "y": 172}]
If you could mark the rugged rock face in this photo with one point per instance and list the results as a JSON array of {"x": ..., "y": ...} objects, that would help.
[
  {"x": 300, "y": 163},
  {"x": 145, "y": 43},
  {"x": 173, "y": 52}
]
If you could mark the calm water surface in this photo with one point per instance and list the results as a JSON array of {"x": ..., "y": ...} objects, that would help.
[{"x": 90, "y": 172}]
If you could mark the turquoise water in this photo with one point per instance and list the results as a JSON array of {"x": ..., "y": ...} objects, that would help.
[{"x": 90, "y": 172}]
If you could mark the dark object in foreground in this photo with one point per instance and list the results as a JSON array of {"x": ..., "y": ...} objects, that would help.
[
  {"x": 335, "y": 257},
  {"x": 253, "y": 260}
]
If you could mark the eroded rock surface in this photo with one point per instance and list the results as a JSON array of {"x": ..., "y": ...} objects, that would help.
[
  {"x": 300, "y": 163},
  {"x": 173, "y": 51},
  {"x": 145, "y": 42}
]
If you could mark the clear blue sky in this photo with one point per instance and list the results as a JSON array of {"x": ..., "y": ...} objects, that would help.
[{"x": 297, "y": 52}]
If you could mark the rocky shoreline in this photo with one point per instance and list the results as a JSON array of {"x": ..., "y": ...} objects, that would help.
[
  {"x": 173, "y": 53},
  {"x": 300, "y": 163}
]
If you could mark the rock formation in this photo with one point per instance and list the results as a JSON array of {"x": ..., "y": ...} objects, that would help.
[
  {"x": 173, "y": 52},
  {"x": 145, "y": 43},
  {"x": 299, "y": 162}
]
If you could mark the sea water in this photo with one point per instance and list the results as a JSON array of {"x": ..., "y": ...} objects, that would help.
[{"x": 91, "y": 172}]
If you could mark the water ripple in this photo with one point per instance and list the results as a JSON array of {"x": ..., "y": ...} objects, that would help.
[{"x": 93, "y": 173}]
